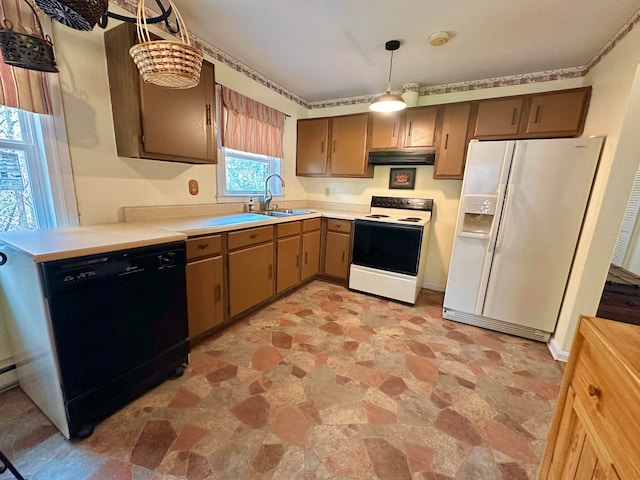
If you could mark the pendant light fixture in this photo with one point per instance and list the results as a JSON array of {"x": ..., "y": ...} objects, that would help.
[{"x": 389, "y": 102}]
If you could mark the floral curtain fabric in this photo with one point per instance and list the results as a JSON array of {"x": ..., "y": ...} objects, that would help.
[
  {"x": 19, "y": 87},
  {"x": 250, "y": 126}
]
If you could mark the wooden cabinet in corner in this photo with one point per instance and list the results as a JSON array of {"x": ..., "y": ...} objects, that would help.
[
  {"x": 540, "y": 115},
  {"x": 158, "y": 123},
  {"x": 333, "y": 147}
]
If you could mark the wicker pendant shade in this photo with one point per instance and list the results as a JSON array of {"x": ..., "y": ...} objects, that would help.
[
  {"x": 24, "y": 50},
  {"x": 77, "y": 14}
]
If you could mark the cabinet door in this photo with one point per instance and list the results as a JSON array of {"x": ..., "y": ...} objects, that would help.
[
  {"x": 420, "y": 127},
  {"x": 311, "y": 150},
  {"x": 310, "y": 254},
  {"x": 349, "y": 146},
  {"x": 205, "y": 295},
  {"x": 498, "y": 118},
  {"x": 453, "y": 142},
  {"x": 179, "y": 122},
  {"x": 336, "y": 257},
  {"x": 558, "y": 114},
  {"x": 288, "y": 258},
  {"x": 385, "y": 129},
  {"x": 250, "y": 277}
]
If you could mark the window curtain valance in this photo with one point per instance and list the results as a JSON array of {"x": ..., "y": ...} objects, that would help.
[
  {"x": 250, "y": 126},
  {"x": 19, "y": 87}
]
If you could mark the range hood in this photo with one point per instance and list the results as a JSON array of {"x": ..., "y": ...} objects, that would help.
[{"x": 398, "y": 157}]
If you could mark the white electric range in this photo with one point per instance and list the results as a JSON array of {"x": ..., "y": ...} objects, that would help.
[{"x": 389, "y": 248}]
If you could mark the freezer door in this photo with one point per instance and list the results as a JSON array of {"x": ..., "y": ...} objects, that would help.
[
  {"x": 547, "y": 195},
  {"x": 486, "y": 173}
]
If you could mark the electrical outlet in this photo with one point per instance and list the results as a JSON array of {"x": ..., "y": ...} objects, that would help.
[{"x": 193, "y": 187}]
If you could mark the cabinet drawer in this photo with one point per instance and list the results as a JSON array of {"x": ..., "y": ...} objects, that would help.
[
  {"x": 311, "y": 224},
  {"x": 288, "y": 229},
  {"x": 251, "y": 236},
  {"x": 339, "y": 225},
  {"x": 204, "y": 246},
  {"x": 609, "y": 395}
]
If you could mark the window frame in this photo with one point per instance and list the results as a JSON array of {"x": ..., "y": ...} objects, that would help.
[
  {"x": 275, "y": 167},
  {"x": 49, "y": 165}
]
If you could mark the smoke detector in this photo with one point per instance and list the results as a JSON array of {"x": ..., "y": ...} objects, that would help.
[{"x": 439, "y": 38}]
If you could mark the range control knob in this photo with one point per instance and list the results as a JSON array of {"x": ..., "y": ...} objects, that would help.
[{"x": 166, "y": 259}]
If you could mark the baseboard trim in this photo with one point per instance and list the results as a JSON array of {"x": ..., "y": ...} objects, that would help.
[
  {"x": 433, "y": 286},
  {"x": 556, "y": 352},
  {"x": 8, "y": 380}
]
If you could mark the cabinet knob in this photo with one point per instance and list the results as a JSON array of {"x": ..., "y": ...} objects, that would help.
[
  {"x": 202, "y": 246},
  {"x": 594, "y": 391},
  {"x": 252, "y": 236}
]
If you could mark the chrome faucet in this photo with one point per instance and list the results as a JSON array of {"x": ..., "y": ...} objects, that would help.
[{"x": 267, "y": 194}]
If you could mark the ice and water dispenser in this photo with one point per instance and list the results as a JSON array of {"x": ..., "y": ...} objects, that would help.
[{"x": 477, "y": 218}]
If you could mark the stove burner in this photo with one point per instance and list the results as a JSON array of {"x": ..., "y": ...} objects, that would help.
[
  {"x": 410, "y": 219},
  {"x": 377, "y": 215}
]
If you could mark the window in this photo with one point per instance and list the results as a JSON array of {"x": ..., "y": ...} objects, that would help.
[
  {"x": 25, "y": 196},
  {"x": 244, "y": 174},
  {"x": 36, "y": 181}
]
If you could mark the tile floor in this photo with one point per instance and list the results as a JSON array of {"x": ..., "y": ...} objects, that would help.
[{"x": 323, "y": 384}]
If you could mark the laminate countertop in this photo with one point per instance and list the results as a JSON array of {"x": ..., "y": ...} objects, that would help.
[{"x": 46, "y": 245}]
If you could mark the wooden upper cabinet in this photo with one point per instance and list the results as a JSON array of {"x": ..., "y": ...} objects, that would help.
[
  {"x": 540, "y": 115},
  {"x": 410, "y": 128},
  {"x": 385, "y": 129},
  {"x": 498, "y": 118},
  {"x": 452, "y": 148},
  {"x": 420, "y": 127},
  {"x": 559, "y": 113},
  {"x": 158, "y": 123},
  {"x": 349, "y": 146},
  {"x": 313, "y": 140}
]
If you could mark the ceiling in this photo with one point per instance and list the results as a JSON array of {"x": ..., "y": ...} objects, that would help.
[{"x": 332, "y": 49}]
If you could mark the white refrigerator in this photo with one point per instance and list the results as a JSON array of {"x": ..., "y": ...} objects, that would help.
[{"x": 521, "y": 212}]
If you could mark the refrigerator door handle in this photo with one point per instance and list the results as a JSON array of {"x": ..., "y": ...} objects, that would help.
[
  {"x": 496, "y": 218},
  {"x": 507, "y": 200}
]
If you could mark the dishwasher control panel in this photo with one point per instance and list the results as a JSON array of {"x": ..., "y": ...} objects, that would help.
[{"x": 84, "y": 272}]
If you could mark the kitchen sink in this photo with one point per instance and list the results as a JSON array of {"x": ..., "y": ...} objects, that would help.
[
  {"x": 293, "y": 212},
  {"x": 273, "y": 213},
  {"x": 282, "y": 212}
]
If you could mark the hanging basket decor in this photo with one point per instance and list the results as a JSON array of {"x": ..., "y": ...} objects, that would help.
[
  {"x": 77, "y": 14},
  {"x": 33, "y": 52},
  {"x": 166, "y": 63}
]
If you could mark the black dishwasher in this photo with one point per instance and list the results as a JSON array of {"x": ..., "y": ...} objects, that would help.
[{"x": 119, "y": 322}]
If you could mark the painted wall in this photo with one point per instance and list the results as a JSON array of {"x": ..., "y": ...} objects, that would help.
[
  {"x": 105, "y": 182},
  {"x": 614, "y": 112}
]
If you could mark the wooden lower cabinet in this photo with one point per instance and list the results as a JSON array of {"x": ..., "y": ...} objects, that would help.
[
  {"x": 310, "y": 248},
  {"x": 205, "y": 284},
  {"x": 251, "y": 277},
  {"x": 596, "y": 423},
  {"x": 337, "y": 249},
  {"x": 288, "y": 256},
  {"x": 205, "y": 293}
]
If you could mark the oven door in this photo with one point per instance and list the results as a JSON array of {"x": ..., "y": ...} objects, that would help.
[{"x": 387, "y": 246}]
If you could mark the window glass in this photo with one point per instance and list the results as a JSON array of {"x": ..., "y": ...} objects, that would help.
[
  {"x": 245, "y": 173},
  {"x": 25, "y": 200}
]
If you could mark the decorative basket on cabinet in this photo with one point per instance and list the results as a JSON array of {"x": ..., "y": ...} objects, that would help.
[
  {"x": 21, "y": 49},
  {"x": 166, "y": 63}
]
